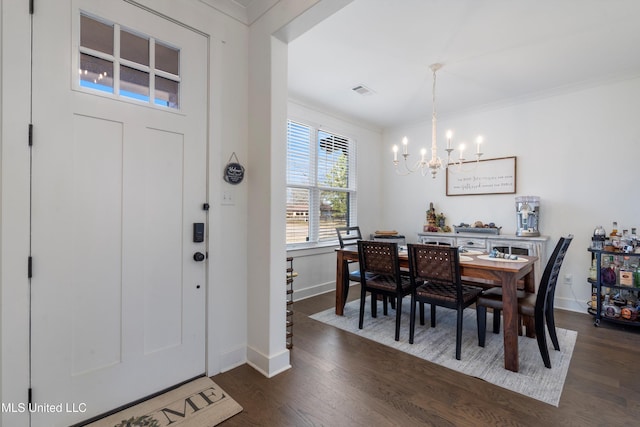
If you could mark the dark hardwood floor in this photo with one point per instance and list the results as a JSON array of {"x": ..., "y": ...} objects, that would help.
[{"x": 340, "y": 379}]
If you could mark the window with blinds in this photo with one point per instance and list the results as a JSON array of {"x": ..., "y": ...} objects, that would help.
[{"x": 321, "y": 184}]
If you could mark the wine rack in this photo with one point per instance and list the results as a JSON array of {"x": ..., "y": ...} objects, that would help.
[{"x": 291, "y": 274}]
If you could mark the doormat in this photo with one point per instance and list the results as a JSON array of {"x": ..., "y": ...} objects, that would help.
[{"x": 199, "y": 403}]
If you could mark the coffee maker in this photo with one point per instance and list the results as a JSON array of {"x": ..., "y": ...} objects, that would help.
[{"x": 528, "y": 215}]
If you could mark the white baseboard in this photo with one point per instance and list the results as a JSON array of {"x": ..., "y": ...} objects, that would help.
[
  {"x": 314, "y": 290},
  {"x": 233, "y": 359},
  {"x": 268, "y": 366},
  {"x": 570, "y": 304}
]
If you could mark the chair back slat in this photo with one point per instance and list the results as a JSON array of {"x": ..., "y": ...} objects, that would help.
[{"x": 348, "y": 235}]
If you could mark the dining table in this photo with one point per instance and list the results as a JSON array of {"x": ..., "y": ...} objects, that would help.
[{"x": 475, "y": 268}]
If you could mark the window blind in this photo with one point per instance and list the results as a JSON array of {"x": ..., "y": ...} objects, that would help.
[
  {"x": 321, "y": 177},
  {"x": 299, "y": 162}
]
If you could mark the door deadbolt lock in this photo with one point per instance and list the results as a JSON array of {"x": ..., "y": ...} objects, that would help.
[{"x": 199, "y": 256}]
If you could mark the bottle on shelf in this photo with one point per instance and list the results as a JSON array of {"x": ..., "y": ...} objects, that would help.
[
  {"x": 607, "y": 271},
  {"x": 593, "y": 271},
  {"x": 626, "y": 242},
  {"x": 614, "y": 229},
  {"x": 614, "y": 236},
  {"x": 629, "y": 312},
  {"x": 616, "y": 263},
  {"x": 605, "y": 304},
  {"x": 634, "y": 238},
  {"x": 625, "y": 273},
  {"x": 609, "y": 308}
]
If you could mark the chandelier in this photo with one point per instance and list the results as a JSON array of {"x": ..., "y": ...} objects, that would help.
[{"x": 435, "y": 163}]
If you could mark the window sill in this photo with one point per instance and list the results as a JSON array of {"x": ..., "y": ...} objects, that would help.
[{"x": 308, "y": 249}]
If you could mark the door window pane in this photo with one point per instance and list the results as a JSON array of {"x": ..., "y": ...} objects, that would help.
[
  {"x": 167, "y": 92},
  {"x": 134, "y": 48},
  {"x": 127, "y": 65},
  {"x": 96, "y": 73},
  {"x": 134, "y": 83},
  {"x": 167, "y": 59},
  {"x": 96, "y": 35}
]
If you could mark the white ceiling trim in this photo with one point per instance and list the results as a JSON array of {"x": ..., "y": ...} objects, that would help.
[{"x": 244, "y": 11}]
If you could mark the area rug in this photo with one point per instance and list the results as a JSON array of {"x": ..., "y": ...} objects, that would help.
[
  {"x": 438, "y": 344},
  {"x": 199, "y": 403}
]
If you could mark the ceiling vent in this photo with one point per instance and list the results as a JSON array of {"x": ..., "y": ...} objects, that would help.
[{"x": 362, "y": 90}]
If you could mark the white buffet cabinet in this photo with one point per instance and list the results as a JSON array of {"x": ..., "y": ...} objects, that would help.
[{"x": 507, "y": 243}]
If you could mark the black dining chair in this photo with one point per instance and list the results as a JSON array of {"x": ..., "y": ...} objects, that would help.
[
  {"x": 435, "y": 280},
  {"x": 349, "y": 236},
  {"x": 380, "y": 259},
  {"x": 537, "y": 305}
]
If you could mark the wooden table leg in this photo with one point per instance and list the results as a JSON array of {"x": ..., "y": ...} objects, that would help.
[
  {"x": 529, "y": 282},
  {"x": 342, "y": 278},
  {"x": 529, "y": 321},
  {"x": 510, "y": 320}
]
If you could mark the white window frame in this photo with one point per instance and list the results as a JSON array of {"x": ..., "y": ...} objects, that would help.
[
  {"x": 315, "y": 188},
  {"x": 117, "y": 61}
]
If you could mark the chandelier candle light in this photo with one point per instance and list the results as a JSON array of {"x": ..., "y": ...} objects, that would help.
[{"x": 435, "y": 163}]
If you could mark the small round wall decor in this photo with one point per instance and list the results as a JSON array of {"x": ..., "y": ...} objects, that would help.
[{"x": 234, "y": 171}]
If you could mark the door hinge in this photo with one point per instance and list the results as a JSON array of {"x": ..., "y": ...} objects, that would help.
[
  {"x": 205, "y": 206},
  {"x": 30, "y": 134},
  {"x": 30, "y": 267},
  {"x": 30, "y": 396},
  {"x": 31, "y": 7}
]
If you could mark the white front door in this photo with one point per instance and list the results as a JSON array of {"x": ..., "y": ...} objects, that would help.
[{"x": 117, "y": 298}]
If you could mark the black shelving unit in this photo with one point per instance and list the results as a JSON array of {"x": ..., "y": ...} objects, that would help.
[{"x": 597, "y": 287}]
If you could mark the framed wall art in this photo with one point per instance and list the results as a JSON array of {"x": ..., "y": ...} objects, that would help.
[{"x": 489, "y": 176}]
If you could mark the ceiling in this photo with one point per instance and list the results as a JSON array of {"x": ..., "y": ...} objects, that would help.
[{"x": 494, "y": 52}]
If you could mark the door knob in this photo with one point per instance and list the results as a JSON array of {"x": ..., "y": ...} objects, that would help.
[{"x": 199, "y": 256}]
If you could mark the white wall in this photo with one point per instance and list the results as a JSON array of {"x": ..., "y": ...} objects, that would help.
[
  {"x": 577, "y": 151},
  {"x": 316, "y": 268}
]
